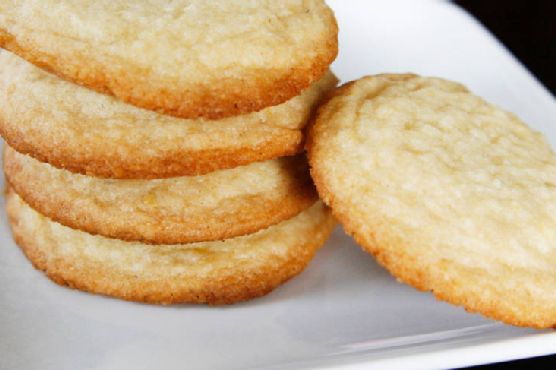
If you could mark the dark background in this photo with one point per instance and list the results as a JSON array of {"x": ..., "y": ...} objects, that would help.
[{"x": 528, "y": 29}]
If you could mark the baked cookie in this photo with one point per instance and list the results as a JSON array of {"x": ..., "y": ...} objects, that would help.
[
  {"x": 75, "y": 128},
  {"x": 215, "y": 206},
  {"x": 187, "y": 58},
  {"x": 218, "y": 272},
  {"x": 450, "y": 193}
]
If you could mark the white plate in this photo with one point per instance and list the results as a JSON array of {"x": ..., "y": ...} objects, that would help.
[{"x": 344, "y": 311}]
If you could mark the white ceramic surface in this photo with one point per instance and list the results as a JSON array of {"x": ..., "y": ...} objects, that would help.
[{"x": 344, "y": 311}]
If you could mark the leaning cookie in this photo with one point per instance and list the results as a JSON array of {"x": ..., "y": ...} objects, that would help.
[
  {"x": 220, "y": 272},
  {"x": 450, "y": 193},
  {"x": 189, "y": 58},
  {"x": 83, "y": 131},
  {"x": 215, "y": 206}
]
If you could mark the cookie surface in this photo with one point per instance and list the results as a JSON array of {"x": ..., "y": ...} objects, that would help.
[
  {"x": 451, "y": 194},
  {"x": 215, "y": 206},
  {"x": 187, "y": 58},
  {"x": 86, "y": 132},
  {"x": 212, "y": 272}
]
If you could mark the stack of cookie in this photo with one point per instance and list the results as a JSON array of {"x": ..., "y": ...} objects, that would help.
[{"x": 153, "y": 149}]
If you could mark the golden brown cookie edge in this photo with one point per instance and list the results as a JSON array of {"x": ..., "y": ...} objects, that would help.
[{"x": 141, "y": 166}]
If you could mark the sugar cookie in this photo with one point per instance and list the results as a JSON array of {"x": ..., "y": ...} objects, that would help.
[
  {"x": 450, "y": 193},
  {"x": 211, "y": 272},
  {"x": 86, "y": 132},
  {"x": 187, "y": 58},
  {"x": 215, "y": 206}
]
